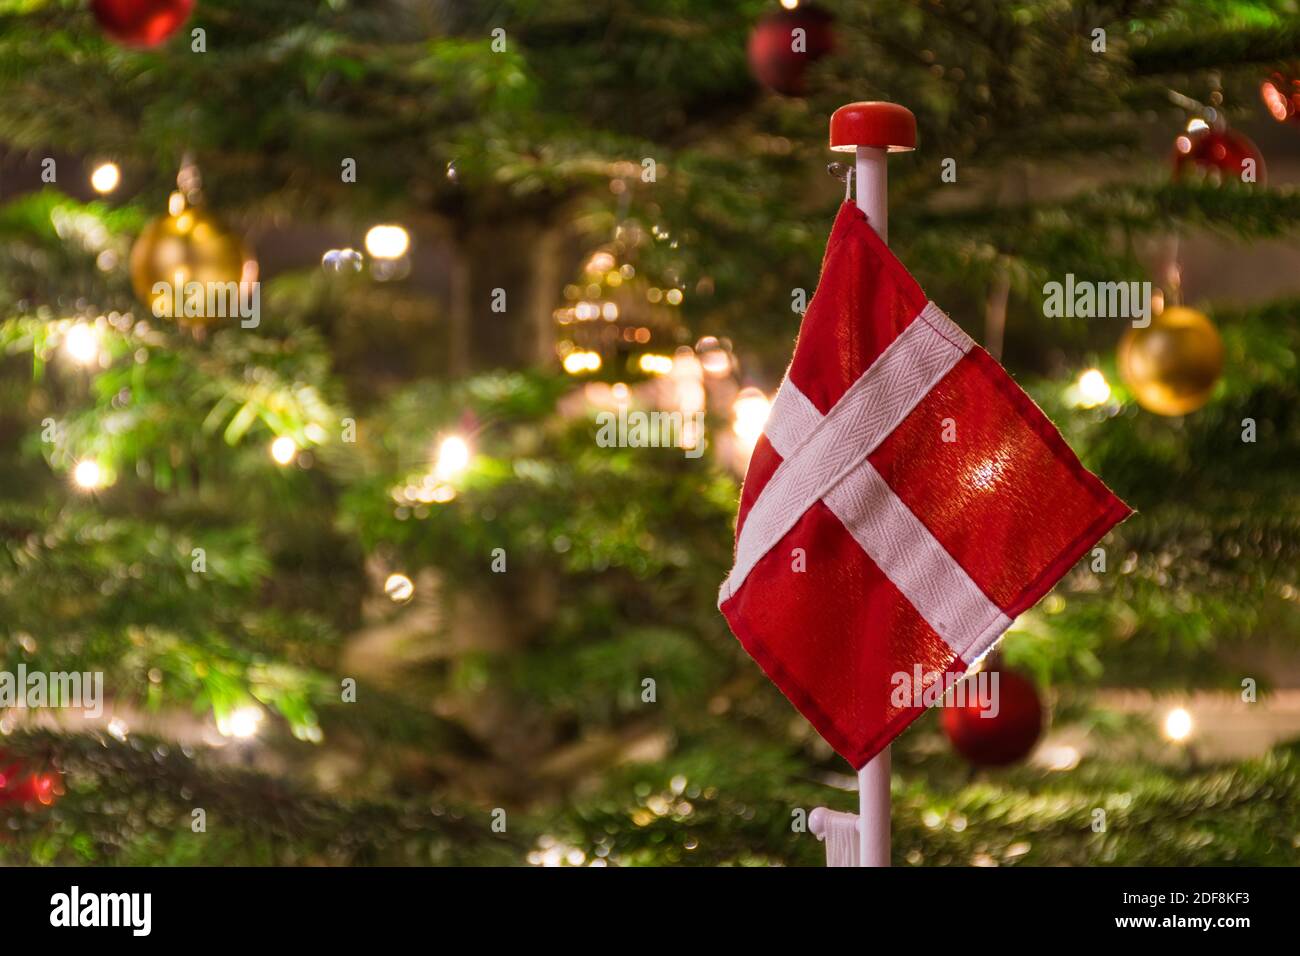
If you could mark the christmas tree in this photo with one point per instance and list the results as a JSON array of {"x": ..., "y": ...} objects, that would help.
[{"x": 310, "y": 313}]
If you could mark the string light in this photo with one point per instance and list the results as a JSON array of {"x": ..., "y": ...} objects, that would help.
[
  {"x": 283, "y": 450},
  {"x": 88, "y": 475},
  {"x": 1059, "y": 758},
  {"x": 714, "y": 358},
  {"x": 399, "y": 588},
  {"x": 579, "y": 361},
  {"x": 600, "y": 262},
  {"x": 453, "y": 458},
  {"x": 105, "y": 178},
  {"x": 750, "y": 408},
  {"x": 81, "y": 343},
  {"x": 1277, "y": 102},
  {"x": 1178, "y": 725},
  {"x": 655, "y": 364},
  {"x": 1093, "y": 389},
  {"x": 241, "y": 723},
  {"x": 688, "y": 384},
  {"x": 387, "y": 242}
]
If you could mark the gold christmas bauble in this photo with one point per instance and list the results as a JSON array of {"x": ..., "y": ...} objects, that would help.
[
  {"x": 183, "y": 266},
  {"x": 1172, "y": 365}
]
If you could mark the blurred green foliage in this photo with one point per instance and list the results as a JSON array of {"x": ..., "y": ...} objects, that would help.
[{"x": 523, "y": 690}]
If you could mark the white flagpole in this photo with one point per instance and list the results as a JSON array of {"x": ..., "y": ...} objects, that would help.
[
  {"x": 870, "y": 130},
  {"x": 871, "y": 192},
  {"x": 871, "y": 187}
]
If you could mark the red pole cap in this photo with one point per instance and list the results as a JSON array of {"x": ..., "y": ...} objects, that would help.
[{"x": 885, "y": 126}]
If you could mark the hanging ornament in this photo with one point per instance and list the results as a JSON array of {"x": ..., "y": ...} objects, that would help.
[
  {"x": 141, "y": 23},
  {"x": 1007, "y": 736},
  {"x": 616, "y": 325},
  {"x": 785, "y": 43},
  {"x": 21, "y": 787},
  {"x": 1281, "y": 95},
  {"x": 1172, "y": 365},
  {"x": 1217, "y": 154},
  {"x": 184, "y": 263}
]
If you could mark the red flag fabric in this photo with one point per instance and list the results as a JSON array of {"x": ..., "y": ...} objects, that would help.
[{"x": 905, "y": 502}]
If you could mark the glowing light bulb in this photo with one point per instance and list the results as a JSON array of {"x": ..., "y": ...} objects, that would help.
[
  {"x": 105, "y": 178},
  {"x": 453, "y": 457},
  {"x": 399, "y": 588},
  {"x": 88, "y": 475},
  {"x": 751, "y": 409},
  {"x": 283, "y": 450},
  {"x": 387, "y": 242},
  {"x": 1275, "y": 100},
  {"x": 714, "y": 358},
  {"x": 241, "y": 723},
  {"x": 600, "y": 262},
  {"x": 655, "y": 364},
  {"x": 789, "y": 4},
  {"x": 1178, "y": 725},
  {"x": 577, "y": 362},
  {"x": 1093, "y": 389},
  {"x": 81, "y": 343},
  {"x": 1059, "y": 758}
]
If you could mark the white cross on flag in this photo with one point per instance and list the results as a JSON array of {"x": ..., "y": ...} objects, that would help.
[{"x": 906, "y": 501}]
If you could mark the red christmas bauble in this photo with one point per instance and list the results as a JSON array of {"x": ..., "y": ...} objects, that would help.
[
  {"x": 141, "y": 23},
  {"x": 784, "y": 43},
  {"x": 1281, "y": 95},
  {"x": 19, "y": 786},
  {"x": 1217, "y": 154},
  {"x": 1006, "y": 736}
]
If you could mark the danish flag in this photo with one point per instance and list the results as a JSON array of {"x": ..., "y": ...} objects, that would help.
[{"x": 905, "y": 502}]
